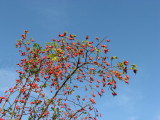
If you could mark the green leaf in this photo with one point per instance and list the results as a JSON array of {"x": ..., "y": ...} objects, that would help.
[
  {"x": 52, "y": 108},
  {"x": 53, "y": 57},
  {"x": 57, "y": 110},
  {"x": 114, "y": 57},
  {"x": 27, "y": 42},
  {"x": 48, "y": 43},
  {"x": 54, "y": 44},
  {"x": 29, "y": 118},
  {"x": 78, "y": 96},
  {"x": 84, "y": 112},
  {"x": 72, "y": 91},
  {"x": 134, "y": 66},
  {"x": 44, "y": 85}
]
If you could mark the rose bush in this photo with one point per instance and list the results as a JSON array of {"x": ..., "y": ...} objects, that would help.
[{"x": 61, "y": 80}]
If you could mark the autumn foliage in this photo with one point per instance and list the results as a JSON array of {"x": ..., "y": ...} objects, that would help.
[{"x": 61, "y": 80}]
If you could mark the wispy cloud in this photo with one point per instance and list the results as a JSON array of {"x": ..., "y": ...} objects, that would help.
[
  {"x": 132, "y": 118},
  {"x": 158, "y": 117},
  {"x": 126, "y": 99},
  {"x": 56, "y": 14},
  {"x": 7, "y": 79}
]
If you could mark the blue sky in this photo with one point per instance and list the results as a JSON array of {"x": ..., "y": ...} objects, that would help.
[{"x": 132, "y": 25}]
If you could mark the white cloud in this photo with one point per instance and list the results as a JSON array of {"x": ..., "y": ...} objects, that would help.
[
  {"x": 56, "y": 16},
  {"x": 7, "y": 79},
  {"x": 126, "y": 100},
  {"x": 122, "y": 99},
  {"x": 158, "y": 117},
  {"x": 132, "y": 118}
]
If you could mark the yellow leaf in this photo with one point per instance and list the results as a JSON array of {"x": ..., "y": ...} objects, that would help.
[{"x": 53, "y": 57}]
